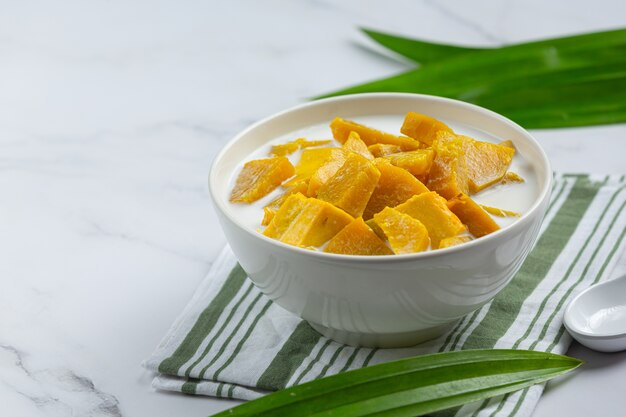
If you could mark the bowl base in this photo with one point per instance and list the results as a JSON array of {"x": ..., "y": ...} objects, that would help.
[{"x": 386, "y": 340}]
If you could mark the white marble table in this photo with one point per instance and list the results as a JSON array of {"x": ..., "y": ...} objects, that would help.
[{"x": 110, "y": 113}]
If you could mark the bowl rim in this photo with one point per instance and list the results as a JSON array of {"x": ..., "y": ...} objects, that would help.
[{"x": 520, "y": 223}]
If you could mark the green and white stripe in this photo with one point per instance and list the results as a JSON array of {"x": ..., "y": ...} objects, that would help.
[{"x": 232, "y": 342}]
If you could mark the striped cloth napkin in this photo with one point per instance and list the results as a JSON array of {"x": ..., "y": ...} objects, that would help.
[{"x": 231, "y": 341}]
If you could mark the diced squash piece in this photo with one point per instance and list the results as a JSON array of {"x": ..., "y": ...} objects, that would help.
[
  {"x": 341, "y": 130},
  {"x": 271, "y": 208},
  {"x": 500, "y": 212},
  {"x": 260, "y": 177},
  {"x": 351, "y": 186},
  {"x": 294, "y": 145},
  {"x": 376, "y": 229},
  {"x": 507, "y": 143},
  {"x": 486, "y": 162},
  {"x": 472, "y": 215},
  {"x": 417, "y": 162},
  {"x": 310, "y": 161},
  {"x": 357, "y": 239},
  {"x": 405, "y": 233},
  {"x": 422, "y": 128},
  {"x": 383, "y": 149},
  {"x": 326, "y": 171},
  {"x": 356, "y": 145},
  {"x": 453, "y": 241},
  {"x": 394, "y": 187},
  {"x": 316, "y": 223},
  {"x": 285, "y": 148},
  {"x": 431, "y": 209},
  {"x": 448, "y": 173},
  {"x": 285, "y": 215},
  {"x": 443, "y": 136},
  {"x": 311, "y": 143},
  {"x": 512, "y": 177}
]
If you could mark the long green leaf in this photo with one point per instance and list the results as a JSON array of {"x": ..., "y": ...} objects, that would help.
[
  {"x": 412, "y": 386},
  {"x": 419, "y": 51},
  {"x": 424, "y": 52},
  {"x": 584, "y": 71},
  {"x": 460, "y": 72}
]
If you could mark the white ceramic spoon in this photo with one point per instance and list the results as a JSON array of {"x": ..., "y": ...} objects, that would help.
[{"x": 597, "y": 316}]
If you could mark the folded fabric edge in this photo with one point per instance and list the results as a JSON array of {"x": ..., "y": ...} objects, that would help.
[{"x": 205, "y": 387}]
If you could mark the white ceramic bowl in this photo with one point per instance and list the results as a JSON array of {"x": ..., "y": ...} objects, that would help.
[{"x": 386, "y": 301}]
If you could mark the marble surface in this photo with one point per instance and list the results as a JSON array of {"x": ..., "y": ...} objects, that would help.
[{"x": 110, "y": 113}]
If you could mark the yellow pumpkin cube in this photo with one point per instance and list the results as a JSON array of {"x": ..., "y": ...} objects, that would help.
[
  {"x": 453, "y": 241},
  {"x": 357, "y": 239},
  {"x": 472, "y": 165},
  {"x": 356, "y": 145},
  {"x": 417, "y": 162},
  {"x": 326, "y": 171},
  {"x": 486, "y": 162},
  {"x": 304, "y": 143},
  {"x": 508, "y": 143},
  {"x": 431, "y": 209},
  {"x": 376, "y": 229},
  {"x": 341, "y": 130},
  {"x": 310, "y": 161},
  {"x": 269, "y": 211},
  {"x": 448, "y": 173},
  {"x": 351, "y": 186},
  {"x": 422, "y": 128},
  {"x": 383, "y": 149},
  {"x": 285, "y": 148},
  {"x": 499, "y": 212},
  {"x": 315, "y": 223},
  {"x": 259, "y": 178},
  {"x": 285, "y": 215},
  {"x": 512, "y": 177},
  {"x": 394, "y": 187},
  {"x": 404, "y": 233},
  {"x": 472, "y": 215},
  {"x": 294, "y": 145}
]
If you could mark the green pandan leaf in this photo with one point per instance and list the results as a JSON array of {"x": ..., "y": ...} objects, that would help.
[
  {"x": 419, "y": 51},
  {"x": 572, "y": 81},
  {"x": 424, "y": 52},
  {"x": 413, "y": 386}
]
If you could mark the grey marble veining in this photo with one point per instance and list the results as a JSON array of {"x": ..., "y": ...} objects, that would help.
[{"x": 54, "y": 391}]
